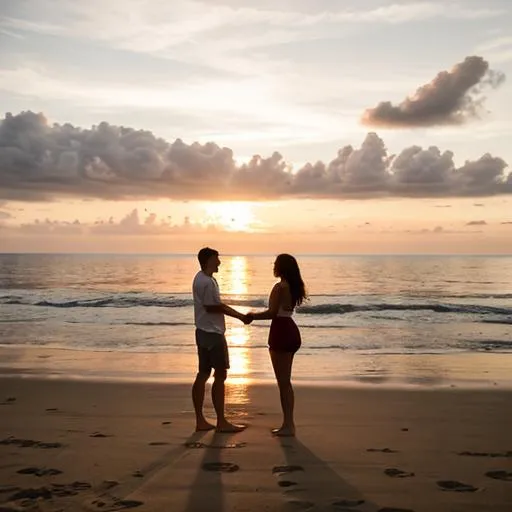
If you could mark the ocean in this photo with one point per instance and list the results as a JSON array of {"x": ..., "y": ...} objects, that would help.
[{"x": 404, "y": 320}]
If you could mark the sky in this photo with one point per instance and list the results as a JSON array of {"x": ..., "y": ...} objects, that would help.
[{"x": 351, "y": 126}]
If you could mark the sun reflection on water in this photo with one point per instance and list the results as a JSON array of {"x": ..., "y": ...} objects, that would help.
[
  {"x": 237, "y": 334},
  {"x": 236, "y": 276}
]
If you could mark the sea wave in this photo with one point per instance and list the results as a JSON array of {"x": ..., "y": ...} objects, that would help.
[
  {"x": 120, "y": 301},
  {"x": 494, "y": 345},
  {"x": 131, "y": 300},
  {"x": 331, "y": 309},
  {"x": 480, "y": 296},
  {"x": 502, "y": 321}
]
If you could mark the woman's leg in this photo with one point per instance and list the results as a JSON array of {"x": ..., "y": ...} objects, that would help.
[{"x": 282, "y": 364}]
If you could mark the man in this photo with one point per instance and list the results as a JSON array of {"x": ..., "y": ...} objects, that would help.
[{"x": 211, "y": 343}]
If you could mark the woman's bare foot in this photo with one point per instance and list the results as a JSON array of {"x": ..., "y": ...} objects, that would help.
[
  {"x": 204, "y": 426},
  {"x": 284, "y": 431},
  {"x": 229, "y": 428}
]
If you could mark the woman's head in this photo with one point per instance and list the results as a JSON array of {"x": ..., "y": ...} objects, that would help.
[{"x": 287, "y": 268}]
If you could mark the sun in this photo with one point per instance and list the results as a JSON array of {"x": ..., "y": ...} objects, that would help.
[{"x": 231, "y": 215}]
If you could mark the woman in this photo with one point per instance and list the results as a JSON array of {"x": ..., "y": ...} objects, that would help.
[{"x": 284, "y": 336}]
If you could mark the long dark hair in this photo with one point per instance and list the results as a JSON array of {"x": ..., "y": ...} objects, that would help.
[{"x": 287, "y": 268}]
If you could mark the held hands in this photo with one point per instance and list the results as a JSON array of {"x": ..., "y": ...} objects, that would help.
[{"x": 247, "y": 319}]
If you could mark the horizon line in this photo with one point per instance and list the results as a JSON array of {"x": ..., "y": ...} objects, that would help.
[{"x": 232, "y": 254}]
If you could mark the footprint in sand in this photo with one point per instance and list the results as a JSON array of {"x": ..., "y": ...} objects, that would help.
[
  {"x": 47, "y": 493},
  {"x": 49, "y": 445},
  {"x": 381, "y": 450},
  {"x": 117, "y": 504},
  {"x": 397, "y": 473},
  {"x": 347, "y": 505},
  {"x": 158, "y": 443},
  {"x": 70, "y": 489},
  {"x": 32, "y": 494},
  {"x": 99, "y": 434},
  {"x": 109, "y": 484},
  {"x": 8, "y": 488},
  {"x": 286, "y": 469},
  {"x": 300, "y": 504},
  {"x": 226, "y": 446},
  {"x": 487, "y": 454},
  {"x": 454, "y": 486},
  {"x": 166, "y": 422},
  {"x": 393, "y": 509},
  {"x": 196, "y": 444},
  {"x": 286, "y": 483},
  {"x": 39, "y": 471},
  {"x": 221, "y": 467},
  {"x": 29, "y": 443},
  {"x": 8, "y": 401},
  {"x": 129, "y": 503},
  {"x": 52, "y": 409},
  {"x": 500, "y": 475}
]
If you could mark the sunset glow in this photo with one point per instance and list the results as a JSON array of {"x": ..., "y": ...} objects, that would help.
[
  {"x": 254, "y": 126},
  {"x": 231, "y": 216}
]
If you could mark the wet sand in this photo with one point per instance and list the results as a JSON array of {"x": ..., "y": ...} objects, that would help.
[{"x": 85, "y": 445}]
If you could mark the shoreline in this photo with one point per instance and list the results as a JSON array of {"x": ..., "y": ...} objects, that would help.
[{"x": 484, "y": 370}]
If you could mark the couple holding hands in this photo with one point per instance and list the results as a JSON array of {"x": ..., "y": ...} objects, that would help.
[{"x": 284, "y": 337}]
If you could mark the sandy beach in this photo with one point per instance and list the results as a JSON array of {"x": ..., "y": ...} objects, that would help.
[{"x": 70, "y": 445}]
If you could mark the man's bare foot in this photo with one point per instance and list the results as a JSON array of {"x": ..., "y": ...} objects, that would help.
[
  {"x": 229, "y": 428},
  {"x": 283, "y": 432},
  {"x": 204, "y": 426}
]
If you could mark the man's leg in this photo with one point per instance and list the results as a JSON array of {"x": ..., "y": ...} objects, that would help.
[
  {"x": 220, "y": 362},
  {"x": 198, "y": 390},
  {"x": 218, "y": 399}
]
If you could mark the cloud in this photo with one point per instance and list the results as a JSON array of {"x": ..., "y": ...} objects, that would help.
[
  {"x": 508, "y": 222},
  {"x": 129, "y": 225},
  {"x": 5, "y": 215},
  {"x": 229, "y": 38},
  {"x": 451, "y": 98},
  {"x": 439, "y": 230},
  {"x": 129, "y": 24},
  {"x": 43, "y": 162},
  {"x": 477, "y": 223},
  {"x": 49, "y": 227},
  {"x": 425, "y": 231},
  {"x": 479, "y": 205}
]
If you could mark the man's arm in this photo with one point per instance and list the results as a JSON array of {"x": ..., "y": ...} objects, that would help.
[
  {"x": 226, "y": 310},
  {"x": 213, "y": 304}
]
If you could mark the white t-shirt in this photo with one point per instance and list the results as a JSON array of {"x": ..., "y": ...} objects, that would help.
[{"x": 205, "y": 291}]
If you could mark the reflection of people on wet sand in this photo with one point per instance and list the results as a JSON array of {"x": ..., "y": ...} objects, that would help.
[
  {"x": 212, "y": 349},
  {"x": 284, "y": 336}
]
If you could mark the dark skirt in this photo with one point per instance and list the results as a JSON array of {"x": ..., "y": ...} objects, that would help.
[{"x": 284, "y": 335}]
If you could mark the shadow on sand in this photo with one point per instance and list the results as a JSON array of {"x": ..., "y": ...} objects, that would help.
[
  {"x": 309, "y": 483},
  {"x": 207, "y": 486}
]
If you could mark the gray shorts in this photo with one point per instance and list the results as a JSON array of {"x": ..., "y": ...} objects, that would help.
[{"x": 212, "y": 351}]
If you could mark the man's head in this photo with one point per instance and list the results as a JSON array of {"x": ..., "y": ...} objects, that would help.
[{"x": 209, "y": 260}]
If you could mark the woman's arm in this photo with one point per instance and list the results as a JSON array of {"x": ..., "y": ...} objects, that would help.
[{"x": 273, "y": 305}]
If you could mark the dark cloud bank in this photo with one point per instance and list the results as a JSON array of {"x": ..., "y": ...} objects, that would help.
[
  {"x": 41, "y": 162},
  {"x": 452, "y": 97}
]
